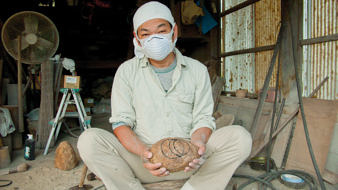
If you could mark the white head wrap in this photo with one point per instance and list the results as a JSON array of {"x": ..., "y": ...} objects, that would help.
[{"x": 148, "y": 11}]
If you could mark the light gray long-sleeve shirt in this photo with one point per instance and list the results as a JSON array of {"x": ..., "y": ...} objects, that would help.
[{"x": 139, "y": 100}]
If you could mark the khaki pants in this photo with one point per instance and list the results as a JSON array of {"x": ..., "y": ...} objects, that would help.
[{"x": 119, "y": 169}]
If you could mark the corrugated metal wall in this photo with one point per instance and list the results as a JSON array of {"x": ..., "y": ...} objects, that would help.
[
  {"x": 238, "y": 33},
  {"x": 254, "y": 26},
  {"x": 320, "y": 60},
  {"x": 258, "y": 25},
  {"x": 267, "y": 24}
]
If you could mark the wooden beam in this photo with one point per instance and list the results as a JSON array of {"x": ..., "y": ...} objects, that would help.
[
  {"x": 1, "y": 68},
  {"x": 20, "y": 95},
  {"x": 237, "y": 7},
  {"x": 250, "y": 50},
  {"x": 322, "y": 39},
  {"x": 46, "y": 105}
]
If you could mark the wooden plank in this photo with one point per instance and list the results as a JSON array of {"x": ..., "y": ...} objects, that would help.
[
  {"x": 257, "y": 149},
  {"x": 321, "y": 118},
  {"x": 165, "y": 185},
  {"x": 243, "y": 109},
  {"x": 330, "y": 176}
]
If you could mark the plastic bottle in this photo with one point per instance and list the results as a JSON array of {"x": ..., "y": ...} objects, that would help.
[{"x": 29, "y": 151}]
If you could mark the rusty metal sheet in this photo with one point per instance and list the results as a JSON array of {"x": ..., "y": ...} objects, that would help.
[
  {"x": 237, "y": 30},
  {"x": 320, "y": 60},
  {"x": 267, "y": 24},
  {"x": 258, "y": 25}
]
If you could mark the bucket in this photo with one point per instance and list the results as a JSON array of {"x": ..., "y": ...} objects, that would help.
[{"x": 5, "y": 159}]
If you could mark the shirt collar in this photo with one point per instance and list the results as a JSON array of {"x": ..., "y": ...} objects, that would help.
[{"x": 179, "y": 57}]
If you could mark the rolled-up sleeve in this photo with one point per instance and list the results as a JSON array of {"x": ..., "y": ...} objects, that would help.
[
  {"x": 203, "y": 104},
  {"x": 122, "y": 110}
]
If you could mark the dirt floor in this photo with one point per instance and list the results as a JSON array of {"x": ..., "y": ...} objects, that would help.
[{"x": 42, "y": 175}]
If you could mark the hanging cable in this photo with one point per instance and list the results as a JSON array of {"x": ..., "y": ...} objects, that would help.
[
  {"x": 299, "y": 91},
  {"x": 270, "y": 175},
  {"x": 8, "y": 182}
]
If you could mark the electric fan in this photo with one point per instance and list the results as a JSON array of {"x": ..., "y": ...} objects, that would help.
[
  {"x": 39, "y": 37},
  {"x": 32, "y": 38}
]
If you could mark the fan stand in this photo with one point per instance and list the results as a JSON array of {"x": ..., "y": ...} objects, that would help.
[
  {"x": 20, "y": 100},
  {"x": 37, "y": 32},
  {"x": 31, "y": 39}
]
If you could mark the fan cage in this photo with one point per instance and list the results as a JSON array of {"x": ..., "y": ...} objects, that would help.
[{"x": 26, "y": 22}]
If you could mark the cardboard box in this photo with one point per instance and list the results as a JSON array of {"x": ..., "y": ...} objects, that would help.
[
  {"x": 71, "y": 82},
  {"x": 71, "y": 108},
  {"x": 89, "y": 102}
]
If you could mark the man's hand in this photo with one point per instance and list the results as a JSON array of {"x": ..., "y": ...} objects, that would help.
[
  {"x": 199, "y": 138},
  {"x": 154, "y": 169},
  {"x": 196, "y": 163},
  {"x": 134, "y": 145}
]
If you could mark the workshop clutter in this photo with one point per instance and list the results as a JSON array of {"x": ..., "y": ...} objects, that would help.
[
  {"x": 32, "y": 121},
  {"x": 190, "y": 12},
  {"x": 270, "y": 96},
  {"x": 101, "y": 88},
  {"x": 98, "y": 95},
  {"x": 7, "y": 127},
  {"x": 102, "y": 107}
]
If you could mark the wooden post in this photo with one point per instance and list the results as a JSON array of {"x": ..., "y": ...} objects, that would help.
[
  {"x": 46, "y": 105},
  {"x": 20, "y": 100},
  {"x": 1, "y": 66},
  {"x": 215, "y": 44},
  {"x": 291, "y": 16}
]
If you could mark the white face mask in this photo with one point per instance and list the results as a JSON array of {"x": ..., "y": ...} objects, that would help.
[{"x": 157, "y": 46}]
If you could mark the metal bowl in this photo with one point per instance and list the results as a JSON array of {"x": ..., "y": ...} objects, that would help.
[{"x": 260, "y": 163}]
